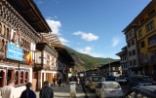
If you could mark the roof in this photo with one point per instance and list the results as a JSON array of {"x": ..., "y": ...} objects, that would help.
[
  {"x": 64, "y": 56},
  {"x": 52, "y": 39},
  {"x": 133, "y": 23},
  {"x": 30, "y": 12}
]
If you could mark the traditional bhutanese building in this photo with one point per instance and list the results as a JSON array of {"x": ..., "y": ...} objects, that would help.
[
  {"x": 51, "y": 60},
  {"x": 20, "y": 25}
]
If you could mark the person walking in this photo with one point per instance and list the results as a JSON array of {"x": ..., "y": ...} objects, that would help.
[
  {"x": 9, "y": 90},
  {"x": 46, "y": 91},
  {"x": 28, "y": 93},
  {"x": 59, "y": 81}
]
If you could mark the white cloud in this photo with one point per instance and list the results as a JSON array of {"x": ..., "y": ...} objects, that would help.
[
  {"x": 86, "y": 50},
  {"x": 86, "y": 36},
  {"x": 115, "y": 41},
  {"x": 54, "y": 25},
  {"x": 89, "y": 50},
  {"x": 63, "y": 41}
]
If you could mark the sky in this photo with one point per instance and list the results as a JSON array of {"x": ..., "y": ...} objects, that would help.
[{"x": 92, "y": 27}]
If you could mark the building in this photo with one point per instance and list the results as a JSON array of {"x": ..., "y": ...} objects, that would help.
[
  {"x": 143, "y": 26},
  {"x": 18, "y": 37},
  {"x": 123, "y": 54},
  {"x": 110, "y": 69},
  {"x": 28, "y": 52}
]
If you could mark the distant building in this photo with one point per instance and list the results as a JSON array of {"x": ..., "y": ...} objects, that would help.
[{"x": 124, "y": 61}]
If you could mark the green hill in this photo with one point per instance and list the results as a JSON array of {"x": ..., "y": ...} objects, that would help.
[{"x": 84, "y": 61}]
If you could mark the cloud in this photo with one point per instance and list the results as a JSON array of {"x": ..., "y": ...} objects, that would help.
[
  {"x": 86, "y": 50},
  {"x": 89, "y": 50},
  {"x": 54, "y": 25},
  {"x": 64, "y": 41},
  {"x": 115, "y": 41},
  {"x": 86, "y": 36}
]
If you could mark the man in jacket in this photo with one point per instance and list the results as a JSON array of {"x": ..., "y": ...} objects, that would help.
[
  {"x": 46, "y": 91},
  {"x": 28, "y": 93}
]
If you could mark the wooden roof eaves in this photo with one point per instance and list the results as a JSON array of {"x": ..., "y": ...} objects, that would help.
[{"x": 37, "y": 11}]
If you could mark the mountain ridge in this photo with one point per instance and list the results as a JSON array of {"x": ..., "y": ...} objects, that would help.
[{"x": 84, "y": 61}]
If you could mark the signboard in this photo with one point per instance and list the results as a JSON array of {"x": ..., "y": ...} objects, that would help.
[
  {"x": 14, "y": 52},
  {"x": 52, "y": 67}
]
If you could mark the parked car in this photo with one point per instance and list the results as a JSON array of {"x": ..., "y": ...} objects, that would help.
[
  {"x": 140, "y": 81},
  {"x": 110, "y": 78},
  {"x": 94, "y": 80},
  {"x": 142, "y": 92},
  {"x": 122, "y": 80},
  {"x": 109, "y": 89}
]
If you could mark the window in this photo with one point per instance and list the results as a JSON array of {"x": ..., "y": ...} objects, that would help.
[
  {"x": 132, "y": 42},
  {"x": 151, "y": 13},
  {"x": 16, "y": 78},
  {"x": 150, "y": 26},
  {"x": 8, "y": 33},
  {"x": 129, "y": 44},
  {"x": 142, "y": 44},
  {"x": 133, "y": 52},
  {"x": 0, "y": 28},
  {"x": 130, "y": 53},
  {"x": 26, "y": 77},
  {"x": 153, "y": 53},
  {"x": 134, "y": 62},
  {"x": 2, "y": 76},
  {"x": 142, "y": 20},
  {"x": 139, "y": 33},
  {"x": 22, "y": 77},
  {"x": 10, "y": 75},
  {"x": 152, "y": 40}
]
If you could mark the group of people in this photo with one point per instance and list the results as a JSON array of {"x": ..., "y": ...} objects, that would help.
[
  {"x": 9, "y": 91},
  {"x": 57, "y": 80}
]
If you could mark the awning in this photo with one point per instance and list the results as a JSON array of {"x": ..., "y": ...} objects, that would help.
[{"x": 52, "y": 39}]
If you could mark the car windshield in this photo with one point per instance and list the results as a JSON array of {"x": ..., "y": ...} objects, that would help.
[
  {"x": 111, "y": 85},
  {"x": 96, "y": 79}
]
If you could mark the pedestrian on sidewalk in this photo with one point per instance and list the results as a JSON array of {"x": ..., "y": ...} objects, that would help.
[
  {"x": 8, "y": 91},
  {"x": 28, "y": 93},
  {"x": 59, "y": 81},
  {"x": 54, "y": 80},
  {"x": 46, "y": 91}
]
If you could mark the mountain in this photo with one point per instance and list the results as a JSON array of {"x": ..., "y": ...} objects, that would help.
[{"x": 84, "y": 61}]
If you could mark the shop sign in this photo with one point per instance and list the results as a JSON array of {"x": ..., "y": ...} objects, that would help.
[
  {"x": 14, "y": 52},
  {"x": 52, "y": 67}
]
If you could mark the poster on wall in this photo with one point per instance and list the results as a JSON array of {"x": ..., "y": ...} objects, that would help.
[
  {"x": 14, "y": 52},
  {"x": 16, "y": 36}
]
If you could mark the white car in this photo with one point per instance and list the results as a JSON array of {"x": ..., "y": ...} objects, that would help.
[{"x": 109, "y": 89}]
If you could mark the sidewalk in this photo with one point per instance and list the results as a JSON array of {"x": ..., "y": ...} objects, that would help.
[{"x": 64, "y": 91}]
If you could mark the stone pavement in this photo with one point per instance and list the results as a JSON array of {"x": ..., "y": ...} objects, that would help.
[{"x": 64, "y": 91}]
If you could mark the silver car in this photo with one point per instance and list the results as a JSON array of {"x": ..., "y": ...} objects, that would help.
[{"x": 109, "y": 89}]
